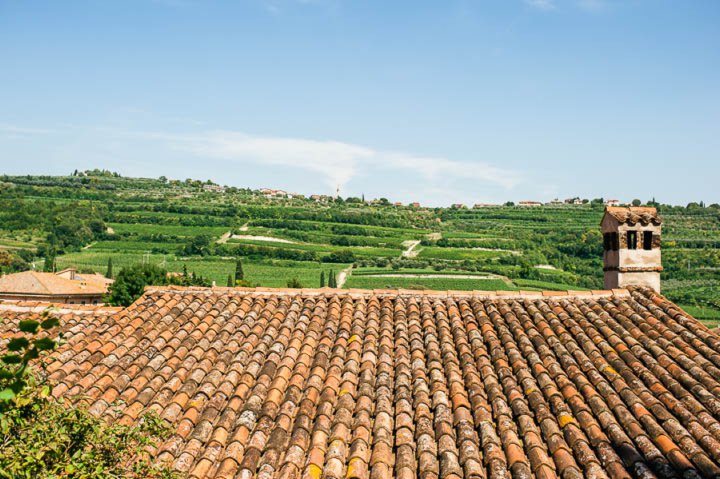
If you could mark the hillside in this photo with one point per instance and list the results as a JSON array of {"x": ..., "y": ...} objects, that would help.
[{"x": 83, "y": 221}]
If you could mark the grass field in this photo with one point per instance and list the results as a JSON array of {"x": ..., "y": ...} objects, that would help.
[
  {"x": 269, "y": 273},
  {"x": 442, "y": 284},
  {"x": 133, "y": 246},
  {"x": 376, "y": 271},
  {"x": 367, "y": 251},
  {"x": 531, "y": 284},
  {"x": 172, "y": 230},
  {"x": 458, "y": 254}
]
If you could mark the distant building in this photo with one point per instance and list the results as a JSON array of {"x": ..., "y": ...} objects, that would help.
[
  {"x": 415, "y": 204},
  {"x": 214, "y": 188},
  {"x": 556, "y": 202},
  {"x": 485, "y": 205},
  {"x": 459, "y": 206},
  {"x": 270, "y": 193},
  {"x": 530, "y": 203},
  {"x": 398, "y": 203},
  {"x": 321, "y": 198},
  {"x": 612, "y": 203},
  {"x": 67, "y": 286}
]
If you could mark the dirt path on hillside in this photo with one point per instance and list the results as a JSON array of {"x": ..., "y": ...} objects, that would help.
[
  {"x": 434, "y": 236},
  {"x": 410, "y": 251},
  {"x": 244, "y": 227},
  {"x": 262, "y": 238},
  {"x": 224, "y": 238},
  {"x": 343, "y": 276}
]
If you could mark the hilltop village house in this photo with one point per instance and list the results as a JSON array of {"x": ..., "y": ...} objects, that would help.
[
  {"x": 373, "y": 384},
  {"x": 67, "y": 286}
]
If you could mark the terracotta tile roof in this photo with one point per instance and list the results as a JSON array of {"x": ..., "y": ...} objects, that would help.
[
  {"x": 43, "y": 284},
  {"x": 635, "y": 214},
  {"x": 74, "y": 318},
  {"x": 374, "y": 384}
]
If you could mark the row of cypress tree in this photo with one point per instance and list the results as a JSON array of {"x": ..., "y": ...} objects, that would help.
[{"x": 332, "y": 280}]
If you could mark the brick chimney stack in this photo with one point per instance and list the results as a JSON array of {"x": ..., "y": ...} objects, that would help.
[{"x": 631, "y": 240}]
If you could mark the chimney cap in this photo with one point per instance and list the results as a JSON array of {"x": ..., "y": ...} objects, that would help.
[{"x": 632, "y": 215}]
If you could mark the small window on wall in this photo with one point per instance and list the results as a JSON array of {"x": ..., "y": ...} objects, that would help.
[
  {"x": 647, "y": 240},
  {"x": 632, "y": 239},
  {"x": 607, "y": 241},
  {"x": 614, "y": 241}
]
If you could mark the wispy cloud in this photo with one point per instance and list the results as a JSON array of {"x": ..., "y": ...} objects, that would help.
[
  {"x": 541, "y": 4},
  {"x": 277, "y": 7},
  {"x": 335, "y": 162},
  {"x": 21, "y": 130},
  {"x": 593, "y": 5}
]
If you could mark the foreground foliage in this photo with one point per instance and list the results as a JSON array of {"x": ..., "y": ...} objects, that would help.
[{"x": 41, "y": 436}]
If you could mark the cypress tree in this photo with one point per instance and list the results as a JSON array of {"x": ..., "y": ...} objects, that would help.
[
  {"x": 331, "y": 280},
  {"x": 230, "y": 282},
  {"x": 322, "y": 279},
  {"x": 109, "y": 273},
  {"x": 50, "y": 263},
  {"x": 239, "y": 275}
]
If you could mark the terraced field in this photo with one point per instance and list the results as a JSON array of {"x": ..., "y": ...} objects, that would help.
[{"x": 178, "y": 225}]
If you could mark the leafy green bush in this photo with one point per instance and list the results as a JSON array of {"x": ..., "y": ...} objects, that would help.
[
  {"x": 42, "y": 436},
  {"x": 130, "y": 282}
]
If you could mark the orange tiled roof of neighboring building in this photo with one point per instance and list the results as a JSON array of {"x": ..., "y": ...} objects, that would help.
[
  {"x": 373, "y": 384},
  {"x": 40, "y": 283}
]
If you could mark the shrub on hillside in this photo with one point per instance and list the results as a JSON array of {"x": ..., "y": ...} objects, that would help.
[{"x": 344, "y": 256}]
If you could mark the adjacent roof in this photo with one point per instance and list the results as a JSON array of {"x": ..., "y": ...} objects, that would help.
[
  {"x": 374, "y": 384},
  {"x": 52, "y": 284},
  {"x": 634, "y": 214}
]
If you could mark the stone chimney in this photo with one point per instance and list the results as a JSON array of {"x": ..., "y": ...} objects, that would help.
[{"x": 631, "y": 240}]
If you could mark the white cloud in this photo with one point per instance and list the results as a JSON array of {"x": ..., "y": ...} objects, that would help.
[
  {"x": 541, "y": 4},
  {"x": 335, "y": 162}
]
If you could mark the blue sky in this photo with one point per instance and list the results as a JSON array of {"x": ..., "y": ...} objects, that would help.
[{"x": 436, "y": 101}]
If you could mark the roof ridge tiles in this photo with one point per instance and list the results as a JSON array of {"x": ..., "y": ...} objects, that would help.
[
  {"x": 57, "y": 308},
  {"x": 265, "y": 291}
]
